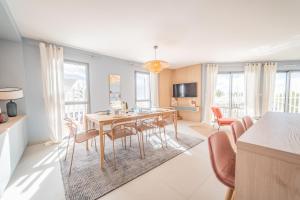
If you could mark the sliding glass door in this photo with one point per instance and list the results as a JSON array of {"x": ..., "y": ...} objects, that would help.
[
  {"x": 230, "y": 95},
  {"x": 76, "y": 91},
  {"x": 287, "y": 92}
]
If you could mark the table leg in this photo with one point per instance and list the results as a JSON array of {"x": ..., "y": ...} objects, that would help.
[
  {"x": 86, "y": 130},
  {"x": 175, "y": 124},
  {"x": 101, "y": 145}
]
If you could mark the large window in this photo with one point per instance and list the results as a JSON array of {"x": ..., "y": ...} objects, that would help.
[
  {"x": 287, "y": 92},
  {"x": 230, "y": 95},
  {"x": 142, "y": 90},
  {"x": 76, "y": 91}
]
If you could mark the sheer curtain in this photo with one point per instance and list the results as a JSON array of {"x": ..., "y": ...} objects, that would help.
[
  {"x": 252, "y": 86},
  {"x": 270, "y": 69},
  {"x": 210, "y": 85},
  {"x": 154, "y": 90},
  {"x": 52, "y": 76}
]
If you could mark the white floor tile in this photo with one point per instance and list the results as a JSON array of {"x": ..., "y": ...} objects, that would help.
[{"x": 188, "y": 176}]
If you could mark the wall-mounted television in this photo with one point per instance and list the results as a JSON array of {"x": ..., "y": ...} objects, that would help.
[{"x": 185, "y": 90}]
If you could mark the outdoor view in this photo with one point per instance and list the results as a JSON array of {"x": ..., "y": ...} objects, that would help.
[
  {"x": 142, "y": 85},
  {"x": 230, "y": 96},
  {"x": 75, "y": 91},
  {"x": 287, "y": 92}
]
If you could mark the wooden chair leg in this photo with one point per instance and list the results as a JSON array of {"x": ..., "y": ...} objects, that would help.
[
  {"x": 95, "y": 144},
  {"x": 72, "y": 157},
  {"x": 114, "y": 154},
  {"x": 165, "y": 137},
  {"x": 125, "y": 141},
  {"x": 162, "y": 144},
  {"x": 67, "y": 148},
  {"x": 139, "y": 141},
  {"x": 130, "y": 141},
  {"x": 142, "y": 137},
  {"x": 229, "y": 194},
  {"x": 233, "y": 195}
]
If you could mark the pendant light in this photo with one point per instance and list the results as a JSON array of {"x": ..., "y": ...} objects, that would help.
[{"x": 156, "y": 65}]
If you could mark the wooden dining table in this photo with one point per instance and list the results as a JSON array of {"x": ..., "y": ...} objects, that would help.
[
  {"x": 108, "y": 119},
  {"x": 268, "y": 159}
]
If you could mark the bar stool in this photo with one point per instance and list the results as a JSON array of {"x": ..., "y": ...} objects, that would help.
[
  {"x": 222, "y": 158},
  {"x": 237, "y": 130},
  {"x": 247, "y": 121}
]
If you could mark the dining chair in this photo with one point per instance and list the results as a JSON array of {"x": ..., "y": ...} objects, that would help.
[
  {"x": 165, "y": 119},
  {"x": 237, "y": 130},
  {"x": 223, "y": 158},
  {"x": 247, "y": 121},
  {"x": 221, "y": 121},
  {"x": 78, "y": 137},
  {"x": 147, "y": 126},
  {"x": 120, "y": 130}
]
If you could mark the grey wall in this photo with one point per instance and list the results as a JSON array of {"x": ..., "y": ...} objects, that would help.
[
  {"x": 12, "y": 70},
  {"x": 99, "y": 69}
]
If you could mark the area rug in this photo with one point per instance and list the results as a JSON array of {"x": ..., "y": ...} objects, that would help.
[{"x": 87, "y": 181}]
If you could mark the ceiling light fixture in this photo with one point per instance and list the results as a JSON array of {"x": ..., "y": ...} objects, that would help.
[{"x": 155, "y": 65}]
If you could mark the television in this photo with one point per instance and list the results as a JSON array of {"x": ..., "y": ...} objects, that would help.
[{"x": 185, "y": 90}]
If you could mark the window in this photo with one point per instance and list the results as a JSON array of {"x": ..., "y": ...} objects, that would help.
[
  {"x": 287, "y": 92},
  {"x": 230, "y": 95},
  {"x": 76, "y": 91},
  {"x": 142, "y": 90}
]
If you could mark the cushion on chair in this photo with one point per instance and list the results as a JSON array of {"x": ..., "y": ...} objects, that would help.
[
  {"x": 82, "y": 137},
  {"x": 225, "y": 121},
  {"x": 217, "y": 112}
]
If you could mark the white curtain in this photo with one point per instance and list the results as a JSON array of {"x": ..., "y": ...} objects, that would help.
[
  {"x": 52, "y": 76},
  {"x": 154, "y": 90},
  {"x": 270, "y": 69},
  {"x": 252, "y": 88},
  {"x": 210, "y": 87}
]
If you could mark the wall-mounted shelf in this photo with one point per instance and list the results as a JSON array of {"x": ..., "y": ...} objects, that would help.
[{"x": 187, "y": 108}]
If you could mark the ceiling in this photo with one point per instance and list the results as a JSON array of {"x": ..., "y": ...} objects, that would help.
[
  {"x": 187, "y": 31},
  {"x": 8, "y": 30}
]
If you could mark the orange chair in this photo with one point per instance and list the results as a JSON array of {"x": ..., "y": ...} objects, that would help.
[
  {"x": 223, "y": 158},
  {"x": 237, "y": 129},
  {"x": 220, "y": 119},
  {"x": 247, "y": 121}
]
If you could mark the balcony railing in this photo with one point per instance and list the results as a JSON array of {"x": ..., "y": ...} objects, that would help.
[
  {"x": 293, "y": 103},
  {"x": 76, "y": 112}
]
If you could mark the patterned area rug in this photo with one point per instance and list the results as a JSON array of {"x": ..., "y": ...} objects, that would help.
[{"x": 88, "y": 181}]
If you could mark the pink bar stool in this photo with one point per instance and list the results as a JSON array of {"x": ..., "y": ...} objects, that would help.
[
  {"x": 237, "y": 130},
  {"x": 222, "y": 158},
  {"x": 247, "y": 121}
]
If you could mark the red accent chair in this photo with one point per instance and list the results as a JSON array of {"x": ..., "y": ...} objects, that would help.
[
  {"x": 220, "y": 119},
  {"x": 223, "y": 158},
  {"x": 247, "y": 121},
  {"x": 237, "y": 130}
]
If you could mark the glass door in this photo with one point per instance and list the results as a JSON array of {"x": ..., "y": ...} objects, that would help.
[{"x": 76, "y": 91}]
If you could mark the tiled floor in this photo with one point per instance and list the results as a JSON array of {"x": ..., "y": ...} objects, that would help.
[{"x": 188, "y": 177}]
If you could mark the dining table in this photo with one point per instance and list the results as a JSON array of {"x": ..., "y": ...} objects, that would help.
[{"x": 103, "y": 119}]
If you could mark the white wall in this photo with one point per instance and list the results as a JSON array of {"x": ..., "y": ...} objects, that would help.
[{"x": 99, "y": 68}]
